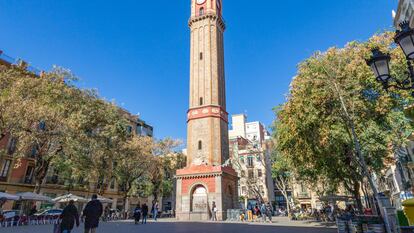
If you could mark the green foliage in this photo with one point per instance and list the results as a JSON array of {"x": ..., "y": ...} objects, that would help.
[
  {"x": 311, "y": 129},
  {"x": 82, "y": 137}
]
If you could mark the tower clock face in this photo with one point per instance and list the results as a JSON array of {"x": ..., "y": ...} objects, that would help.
[{"x": 199, "y": 2}]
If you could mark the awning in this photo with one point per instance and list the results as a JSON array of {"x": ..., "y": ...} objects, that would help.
[
  {"x": 9, "y": 197},
  {"x": 105, "y": 200},
  {"x": 34, "y": 197},
  {"x": 70, "y": 197}
]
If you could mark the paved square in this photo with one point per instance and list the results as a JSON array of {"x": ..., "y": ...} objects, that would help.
[{"x": 177, "y": 227}]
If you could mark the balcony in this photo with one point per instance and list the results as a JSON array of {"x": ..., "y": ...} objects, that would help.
[
  {"x": 303, "y": 195},
  {"x": 5, "y": 59}
]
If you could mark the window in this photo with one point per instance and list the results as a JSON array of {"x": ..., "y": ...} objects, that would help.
[
  {"x": 29, "y": 175},
  {"x": 138, "y": 130},
  {"x": 129, "y": 129},
  {"x": 11, "y": 147},
  {"x": 242, "y": 160},
  {"x": 201, "y": 101},
  {"x": 250, "y": 174},
  {"x": 201, "y": 56},
  {"x": 244, "y": 190},
  {"x": 259, "y": 173},
  {"x": 243, "y": 174},
  {"x": 5, "y": 168},
  {"x": 250, "y": 161},
  {"x": 201, "y": 11},
  {"x": 200, "y": 145}
]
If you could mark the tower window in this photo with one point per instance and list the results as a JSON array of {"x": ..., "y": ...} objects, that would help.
[
  {"x": 201, "y": 11},
  {"x": 201, "y": 56},
  {"x": 200, "y": 145},
  {"x": 201, "y": 101}
]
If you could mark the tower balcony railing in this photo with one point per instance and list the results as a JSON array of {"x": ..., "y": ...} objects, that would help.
[{"x": 206, "y": 15}]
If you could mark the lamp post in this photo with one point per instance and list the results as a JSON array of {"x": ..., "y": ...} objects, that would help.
[{"x": 379, "y": 62}]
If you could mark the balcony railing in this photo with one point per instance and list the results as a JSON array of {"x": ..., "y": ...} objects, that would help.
[
  {"x": 12, "y": 61},
  {"x": 6, "y": 58}
]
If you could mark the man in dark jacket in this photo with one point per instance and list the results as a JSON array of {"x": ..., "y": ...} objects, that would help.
[
  {"x": 92, "y": 213},
  {"x": 144, "y": 213},
  {"x": 69, "y": 217}
]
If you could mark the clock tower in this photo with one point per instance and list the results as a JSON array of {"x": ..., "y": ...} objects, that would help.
[{"x": 206, "y": 182}]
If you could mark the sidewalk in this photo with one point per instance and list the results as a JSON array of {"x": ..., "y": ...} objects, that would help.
[{"x": 277, "y": 221}]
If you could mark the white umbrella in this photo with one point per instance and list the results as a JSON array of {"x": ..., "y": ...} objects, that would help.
[
  {"x": 9, "y": 197},
  {"x": 69, "y": 197},
  {"x": 34, "y": 197},
  {"x": 105, "y": 200}
]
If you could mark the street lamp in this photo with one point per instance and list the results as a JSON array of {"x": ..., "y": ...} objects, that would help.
[{"x": 379, "y": 62}]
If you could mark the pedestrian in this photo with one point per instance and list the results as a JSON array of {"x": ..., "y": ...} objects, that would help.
[
  {"x": 154, "y": 210},
  {"x": 2, "y": 202},
  {"x": 256, "y": 212},
  {"x": 144, "y": 213},
  {"x": 33, "y": 210},
  {"x": 263, "y": 211},
  {"x": 214, "y": 212},
  {"x": 269, "y": 212},
  {"x": 69, "y": 217},
  {"x": 107, "y": 214},
  {"x": 92, "y": 213},
  {"x": 137, "y": 214}
]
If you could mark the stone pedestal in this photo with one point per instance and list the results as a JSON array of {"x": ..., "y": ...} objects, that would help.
[{"x": 199, "y": 187}]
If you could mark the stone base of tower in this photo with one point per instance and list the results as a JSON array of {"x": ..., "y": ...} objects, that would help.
[{"x": 198, "y": 187}]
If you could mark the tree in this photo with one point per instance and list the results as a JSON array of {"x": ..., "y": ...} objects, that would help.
[
  {"x": 281, "y": 174},
  {"x": 337, "y": 116},
  {"x": 34, "y": 112},
  {"x": 166, "y": 163},
  {"x": 135, "y": 163},
  {"x": 58, "y": 124}
]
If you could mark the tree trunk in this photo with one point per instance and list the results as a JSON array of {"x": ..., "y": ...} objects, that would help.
[
  {"x": 38, "y": 185},
  {"x": 287, "y": 202},
  {"x": 350, "y": 124},
  {"x": 125, "y": 206},
  {"x": 357, "y": 196},
  {"x": 39, "y": 176}
]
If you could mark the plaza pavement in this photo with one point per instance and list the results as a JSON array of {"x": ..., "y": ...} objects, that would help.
[{"x": 171, "y": 226}]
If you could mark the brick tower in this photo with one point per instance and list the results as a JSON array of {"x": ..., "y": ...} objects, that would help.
[{"x": 206, "y": 180}]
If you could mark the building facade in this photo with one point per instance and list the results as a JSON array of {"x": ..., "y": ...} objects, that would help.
[
  {"x": 250, "y": 152},
  {"x": 17, "y": 174},
  {"x": 205, "y": 183},
  {"x": 404, "y": 13}
]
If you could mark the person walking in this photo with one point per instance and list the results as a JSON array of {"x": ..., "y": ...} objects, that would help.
[
  {"x": 69, "y": 217},
  {"x": 92, "y": 213},
  {"x": 144, "y": 213},
  {"x": 263, "y": 212},
  {"x": 214, "y": 212},
  {"x": 137, "y": 214},
  {"x": 269, "y": 212},
  {"x": 155, "y": 210}
]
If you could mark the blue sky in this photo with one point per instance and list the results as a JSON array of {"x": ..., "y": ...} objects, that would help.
[{"x": 137, "y": 52}]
